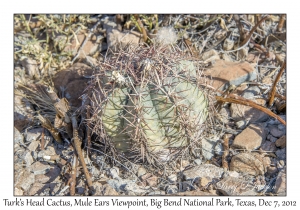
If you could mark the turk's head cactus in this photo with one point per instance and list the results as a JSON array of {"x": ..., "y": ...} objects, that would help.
[{"x": 148, "y": 101}]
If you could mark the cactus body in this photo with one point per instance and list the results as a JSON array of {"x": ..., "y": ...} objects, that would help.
[{"x": 161, "y": 113}]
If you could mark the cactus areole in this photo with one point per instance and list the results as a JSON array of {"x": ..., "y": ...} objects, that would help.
[{"x": 152, "y": 108}]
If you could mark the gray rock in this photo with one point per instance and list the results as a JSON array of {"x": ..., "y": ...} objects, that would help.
[
  {"x": 269, "y": 146},
  {"x": 37, "y": 188},
  {"x": 172, "y": 178},
  {"x": 28, "y": 158},
  {"x": 248, "y": 95},
  {"x": 126, "y": 185},
  {"x": 50, "y": 176},
  {"x": 241, "y": 124},
  {"x": 171, "y": 189},
  {"x": 39, "y": 168},
  {"x": 157, "y": 192},
  {"x": 186, "y": 186},
  {"x": 208, "y": 147},
  {"x": 49, "y": 151},
  {"x": 280, "y": 184},
  {"x": 206, "y": 170},
  {"x": 281, "y": 154},
  {"x": 18, "y": 137},
  {"x": 33, "y": 145},
  {"x": 114, "y": 172},
  {"x": 219, "y": 149},
  {"x": 198, "y": 161},
  {"x": 33, "y": 134},
  {"x": 271, "y": 138},
  {"x": 254, "y": 89},
  {"x": 133, "y": 187},
  {"x": 232, "y": 186},
  {"x": 276, "y": 132}
]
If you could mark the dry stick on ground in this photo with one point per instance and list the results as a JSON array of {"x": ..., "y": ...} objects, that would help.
[
  {"x": 240, "y": 100},
  {"x": 43, "y": 140},
  {"x": 226, "y": 152},
  {"x": 273, "y": 90},
  {"x": 77, "y": 146},
  {"x": 73, "y": 175},
  {"x": 252, "y": 31},
  {"x": 281, "y": 22}
]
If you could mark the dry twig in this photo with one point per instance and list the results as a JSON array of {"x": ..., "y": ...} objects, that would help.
[
  {"x": 273, "y": 91},
  {"x": 226, "y": 152},
  {"x": 240, "y": 100},
  {"x": 73, "y": 175}
]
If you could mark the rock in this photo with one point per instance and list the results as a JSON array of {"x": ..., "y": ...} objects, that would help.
[
  {"x": 98, "y": 189},
  {"x": 247, "y": 113},
  {"x": 28, "y": 159},
  {"x": 254, "y": 89},
  {"x": 224, "y": 74},
  {"x": 33, "y": 134},
  {"x": 157, "y": 192},
  {"x": 18, "y": 192},
  {"x": 233, "y": 174},
  {"x": 224, "y": 115},
  {"x": 109, "y": 191},
  {"x": 206, "y": 170},
  {"x": 280, "y": 184},
  {"x": 37, "y": 188},
  {"x": 115, "y": 37},
  {"x": 241, "y": 124},
  {"x": 208, "y": 147},
  {"x": 281, "y": 154},
  {"x": 281, "y": 142},
  {"x": 203, "y": 182},
  {"x": 114, "y": 172},
  {"x": 210, "y": 56},
  {"x": 134, "y": 188},
  {"x": 198, "y": 161},
  {"x": 150, "y": 179},
  {"x": 72, "y": 82},
  {"x": 172, "y": 178},
  {"x": 50, "y": 176},
  {"x": 39, "y": 168},
  {"x": 276, "y": 132},
  {"x": 271, "y": 138},
  {"x": 272, "y": 170},
  {"x": 269, "y": 146},
  {"x": 49, "y": 151},
  {"x": 219, "y": 149},
  {"x": 141, "y": 171},
  {"x": 186, "y": 186},
  {"x": 247, "y": 163},
  {"x": 18, "y": 137},
  {"x": 182, "y": 164},
  {"x": 231, "y": 186},
  {"x": 33, "y": 145},
  {"x": 250, "y": 138},
  {"x": 193, "y": 193},
  {"x": 171, "y": 189},
  {"x": 25, "y": 180}
]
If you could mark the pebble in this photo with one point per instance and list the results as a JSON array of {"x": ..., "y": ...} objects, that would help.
[
  {"x": 206, "y": 170},
  {"x": 231, "y": 186},
  {"x": 141, "y": 171},
  {"x": 18, "y": 137},
  {"x": 18, "y": 192},
  {"x": 171, "y": 189},
  {"x": 247, "y": 163},
  {"x": 39, "y": 168},
  {"x": 186, "y": 186},
  {"x": 114, "y": 172},
  {"x": 50, "y": 176},
  {"x": 281, "y": 142},
  {"x": 280, "y": 184},
  {"x": 281, "y": 154},
  {"x": 208, "y": 147},
  {"x": 219, "y": 149},
  {"x": 276, "y": 132},
  {"x": 49, "y": 151},
  {"x": 157, "y": 192},
  {"x": 269, "y": 146},
  {"x": 271, "y": 138},
  {"x": 28, "y": 158},
  {"x": 25, "y": 180},
  {"x": 241, "y": 124},
  {"x": 198, "y": 161},
  {"x": 33, "y": 145},
  {"x": 108, "y": 190},
  {"x": 272, "y": 170},
  {"x": 203, "y": 182},
  {"x": 172, "y": 178},
  {"x": 33, "y": 134},
  {"x": 250, "y": 138}
]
